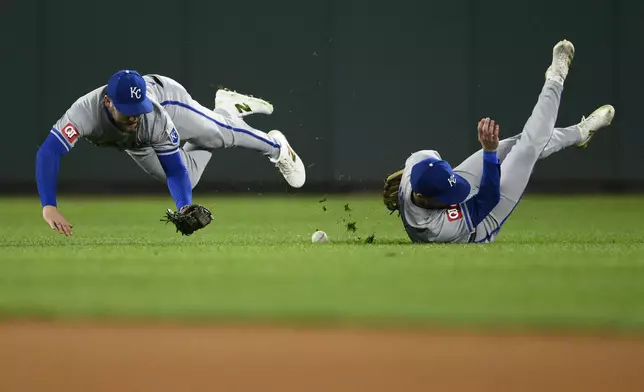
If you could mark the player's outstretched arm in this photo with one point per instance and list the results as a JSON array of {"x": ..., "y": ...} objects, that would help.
[
  {"x": 178, "y": 179},
  {"x": 47, "y": 164},
  {"x": 166, "y": 144},
  {"x": 489, "y": 193}
]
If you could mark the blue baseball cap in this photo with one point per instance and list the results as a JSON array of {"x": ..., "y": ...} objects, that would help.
[
  {"x": 127, "y": 90},
  {"x": 435, "y": 178}
]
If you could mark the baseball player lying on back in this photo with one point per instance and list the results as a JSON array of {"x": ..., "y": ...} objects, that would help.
[
  {"x": 472, "y": 202},
  {"x": 149, "y": 117}
]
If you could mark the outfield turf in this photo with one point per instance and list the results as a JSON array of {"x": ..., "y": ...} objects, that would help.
[{"x": 559, "y": 262}]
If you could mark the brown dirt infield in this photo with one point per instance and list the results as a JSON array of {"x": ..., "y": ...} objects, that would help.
[{"x": 122, "y": 358}]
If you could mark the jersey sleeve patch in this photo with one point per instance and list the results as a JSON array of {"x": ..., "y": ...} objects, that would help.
[
  {"x": 169, "y": 148},
  {"x": 70, "y": 133},
  {"x": 454, "y": 213},
  {"x": 174, "y": 136}
]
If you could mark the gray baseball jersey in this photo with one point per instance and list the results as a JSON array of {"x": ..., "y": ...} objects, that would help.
[
  {"x": 422, "y": 225},
  {"x": 518, "y": 156},
  {"x": 88, "y": 118}
]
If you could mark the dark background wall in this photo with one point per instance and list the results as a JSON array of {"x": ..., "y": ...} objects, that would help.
[{"x": 357, "y": 85}]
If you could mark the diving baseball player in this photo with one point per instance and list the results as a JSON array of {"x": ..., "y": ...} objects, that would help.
[
  {"x": 472, "y": 202},
  {"x": 149, "y": 117}
]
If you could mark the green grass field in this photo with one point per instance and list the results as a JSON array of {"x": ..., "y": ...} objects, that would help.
[{"x": 562, "y": 262}]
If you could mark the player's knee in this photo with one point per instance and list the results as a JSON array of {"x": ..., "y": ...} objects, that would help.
[{"x": 533, "y": 149}]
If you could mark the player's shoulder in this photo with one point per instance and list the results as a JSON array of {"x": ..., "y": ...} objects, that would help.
[
  {"x": 91, "y": 100},
  {"x": 158, "y": 116},
  {"x": 415, "y": 215},
  {"x": 157, "y": 84},
  {"x": 154, "y": 78},
  {"x": 158, "y": 124},
  {"x": 86, "y": 111}
]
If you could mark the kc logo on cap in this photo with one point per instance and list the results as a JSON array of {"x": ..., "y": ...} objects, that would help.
[
  {"x": 135, "y": 92},
  {"x": 451, "y": 180}
]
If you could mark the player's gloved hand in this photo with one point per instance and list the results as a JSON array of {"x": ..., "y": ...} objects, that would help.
[
  {"x": 390, "y": 191},
  {"x": 189, "y": 219},
  {"x": 488, "y": 134},
  {"x": 56, "y": 220}
]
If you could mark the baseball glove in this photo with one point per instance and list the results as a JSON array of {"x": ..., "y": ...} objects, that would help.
[
  {"x": 189, "y": 219},
  {"x": 390, "y": 191}
]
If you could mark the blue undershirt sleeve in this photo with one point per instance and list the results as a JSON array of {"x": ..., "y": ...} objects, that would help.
[
  {"x": 47, "y": 164},
  {"x": 489, "y": 193},
  {"x": 177, "y": 178}
]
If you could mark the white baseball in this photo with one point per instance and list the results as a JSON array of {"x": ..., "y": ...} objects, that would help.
[{"x": 319, "y": 237}]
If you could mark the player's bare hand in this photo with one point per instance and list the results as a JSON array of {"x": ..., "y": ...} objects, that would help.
[
  {"x": 488, "y": 134},
  {"x": 56, "y": 220}
]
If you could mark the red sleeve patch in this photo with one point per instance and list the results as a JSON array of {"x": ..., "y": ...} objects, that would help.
[
  {"x": 454, "y": 213},
  {"x": 70, "y": 133}
]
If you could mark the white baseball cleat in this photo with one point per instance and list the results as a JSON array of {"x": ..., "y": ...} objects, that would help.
[
  {"x": 562, "y": 55},
  {"x": 600, "y": 118},
  {"x": 240, "y": 104},
  {"x": 288, "y": 162}
]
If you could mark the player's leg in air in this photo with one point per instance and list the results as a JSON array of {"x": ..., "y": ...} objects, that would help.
[
  {"x": 577, "y": 135},
  {"x": 537, "y": 133},
  {"x": 205, "y": 130},
  {"x": 435, "y": 205},
  {"x": 224, "y": 126}
]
